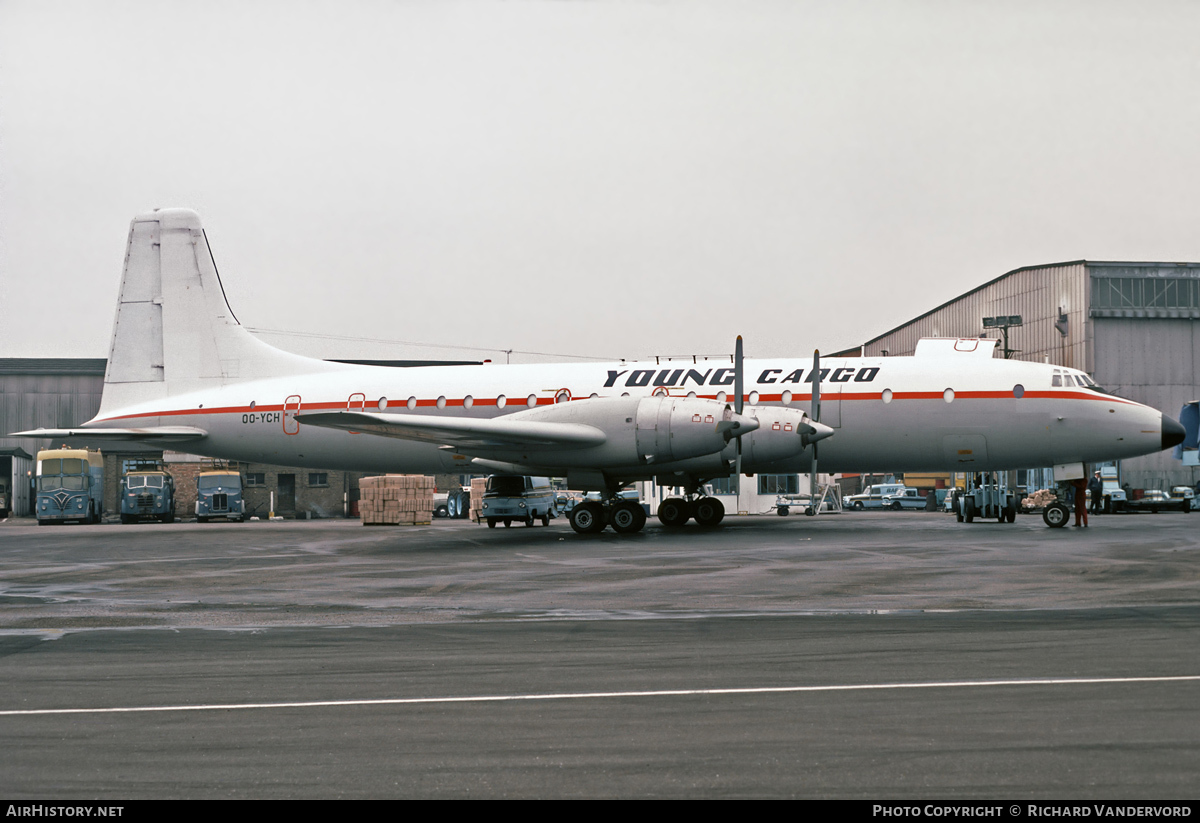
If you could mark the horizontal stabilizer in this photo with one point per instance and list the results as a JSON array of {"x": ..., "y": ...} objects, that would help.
[
  {"x": 462, "y": 432},
  {"x": 154, "y": 434}
]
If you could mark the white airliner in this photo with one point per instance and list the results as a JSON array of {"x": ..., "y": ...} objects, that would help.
[{"x": 183, "y": 372}]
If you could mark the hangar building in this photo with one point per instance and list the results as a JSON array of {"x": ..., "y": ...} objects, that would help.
[{"x": 1134, "y": 327}]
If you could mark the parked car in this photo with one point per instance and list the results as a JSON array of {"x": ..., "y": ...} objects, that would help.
[
  {"x": 872, "y": 496},
  {"x": 907, "y": 498}
]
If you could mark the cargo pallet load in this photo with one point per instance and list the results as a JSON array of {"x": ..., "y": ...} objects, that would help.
[
  {"x": 396, "y": 500},
  {"x": 478, "y": 486}
]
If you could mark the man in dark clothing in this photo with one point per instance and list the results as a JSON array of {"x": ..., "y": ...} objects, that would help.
[{"x": 1096, "y": 488}]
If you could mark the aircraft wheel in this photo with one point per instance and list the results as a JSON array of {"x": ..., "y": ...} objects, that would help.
[
  {"x": 782, "y": 511},
  {"x": 1056, "y": 515},
  {"x": 491, "y": 522},
  {"x": 969, "y": 510},
  {"x": 628, "y": 518},
  {"x": 709, "y": 511},
  {"x": 587, "y": 518},
  {"x": 674, "y": 512}
]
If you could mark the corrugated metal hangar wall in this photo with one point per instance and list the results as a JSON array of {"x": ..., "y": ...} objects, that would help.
[{"x": 1132, "y": 326}]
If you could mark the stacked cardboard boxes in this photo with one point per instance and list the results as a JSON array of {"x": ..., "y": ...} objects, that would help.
[
  {"x": 396, "y": 500},
  {"x": 478, "y": 484}
]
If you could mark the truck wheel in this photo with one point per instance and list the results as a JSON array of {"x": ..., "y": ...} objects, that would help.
[
  {"x": 1056, "y": 515},
  {"x": 507, "y": 522},
  {"x": 441, "y": 511},
  {"x": 674, "y": 512},
  {"x": 1010, "y": 513},
  {"x": 895, "y": 506},
  {"x": 969, "y": 510},
  {"x": 546, "y": 519},
  {"x": 491, "y": 522}
]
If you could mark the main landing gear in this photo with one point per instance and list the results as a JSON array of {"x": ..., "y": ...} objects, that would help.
[
  {"x": 592, "y": 516},
  {"x": 676, "y": 511}
]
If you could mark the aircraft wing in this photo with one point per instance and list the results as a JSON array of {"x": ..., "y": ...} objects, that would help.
[
  {"x": 153, "y": 434},
  {"x": 462, "y": 432}
]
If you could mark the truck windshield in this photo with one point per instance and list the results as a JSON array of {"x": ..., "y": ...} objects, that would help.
[
  {"x": 73, "y": 484},
  {"x": 228, "y": 481},
  {"x": 506, "y": 486},
  {"x": 139, "y": 482}
]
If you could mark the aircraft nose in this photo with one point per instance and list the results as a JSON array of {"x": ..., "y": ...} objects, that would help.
[{"x": 1172, "y": 432}]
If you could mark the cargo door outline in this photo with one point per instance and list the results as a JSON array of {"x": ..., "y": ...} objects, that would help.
[
  {"x": 356, "y": 402},
  {"x": 291, "y": 407}
]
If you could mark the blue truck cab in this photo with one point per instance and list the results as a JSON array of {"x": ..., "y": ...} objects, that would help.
[
  {"x": 219, "y": 496},
  {"x": 147, "y": 495},
  {"x": 70, "y": 486}
]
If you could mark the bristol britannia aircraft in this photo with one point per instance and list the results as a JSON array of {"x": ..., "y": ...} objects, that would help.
[{"x": 183, "y": 372}]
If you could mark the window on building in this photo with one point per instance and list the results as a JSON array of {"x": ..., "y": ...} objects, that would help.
[
  {"x": 256, "y": 479},
  {"x": 318, "y": 478},
  {"x": 724, "y": 485},
  {"x": 139, "y": 464},
  {"x": 779, "y": 484}
]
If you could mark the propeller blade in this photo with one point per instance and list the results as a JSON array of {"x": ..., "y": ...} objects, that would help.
[
  {"x": 816, "y": 390},
  {"x": 738, "y": 386},
  {"x": 738, "y": 389},
  {"x": 815, "y": 415}
]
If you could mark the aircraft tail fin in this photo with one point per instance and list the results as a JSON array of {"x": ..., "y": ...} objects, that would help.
[{"x": 174, "y": 331}]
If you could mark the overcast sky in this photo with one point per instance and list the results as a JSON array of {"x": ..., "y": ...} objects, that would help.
[{"x": 605, "y": 179}]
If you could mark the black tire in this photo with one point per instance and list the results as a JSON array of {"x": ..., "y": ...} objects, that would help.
[
  {"x": 958, "y": 513},
  {"x": 1056, "y": 515},
  {"x": 627, "y": 517},
  {"x": 674, "y": 512},
  {"x": 441, "y": 511},
  {"x": 588, "y": 518},
  {"x": 969, "y": 510},
  {"x": 810, "y": 511},
  {"x": 896, "y": 506},
  {"x": 491, "y": 522},
  {"x": 1009, "y": 514},
  {"x": 858, "y": 505},
  {"x": 126, "y": 519},
  {"x": 782, "y": 511},
  {"x": 507, "y": 522},
  {"x": 708, "y": 511},
  {"x": 546, "y": 519}
]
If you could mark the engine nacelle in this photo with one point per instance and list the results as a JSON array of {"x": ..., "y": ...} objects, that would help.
[
  {"x": 780, "y": 435},
  {"x": 638, "y": 431}
]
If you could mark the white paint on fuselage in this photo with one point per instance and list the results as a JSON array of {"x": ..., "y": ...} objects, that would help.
[{"x": 918, "y": 430}]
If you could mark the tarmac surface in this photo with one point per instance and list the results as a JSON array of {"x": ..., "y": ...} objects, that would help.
[{"x": 879, "y": 656}]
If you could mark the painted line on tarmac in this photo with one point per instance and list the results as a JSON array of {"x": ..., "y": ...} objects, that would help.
[{"x": 511, "y": 698}]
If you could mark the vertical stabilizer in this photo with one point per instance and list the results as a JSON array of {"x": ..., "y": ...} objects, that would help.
[{"x": 174, "y": 330}]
